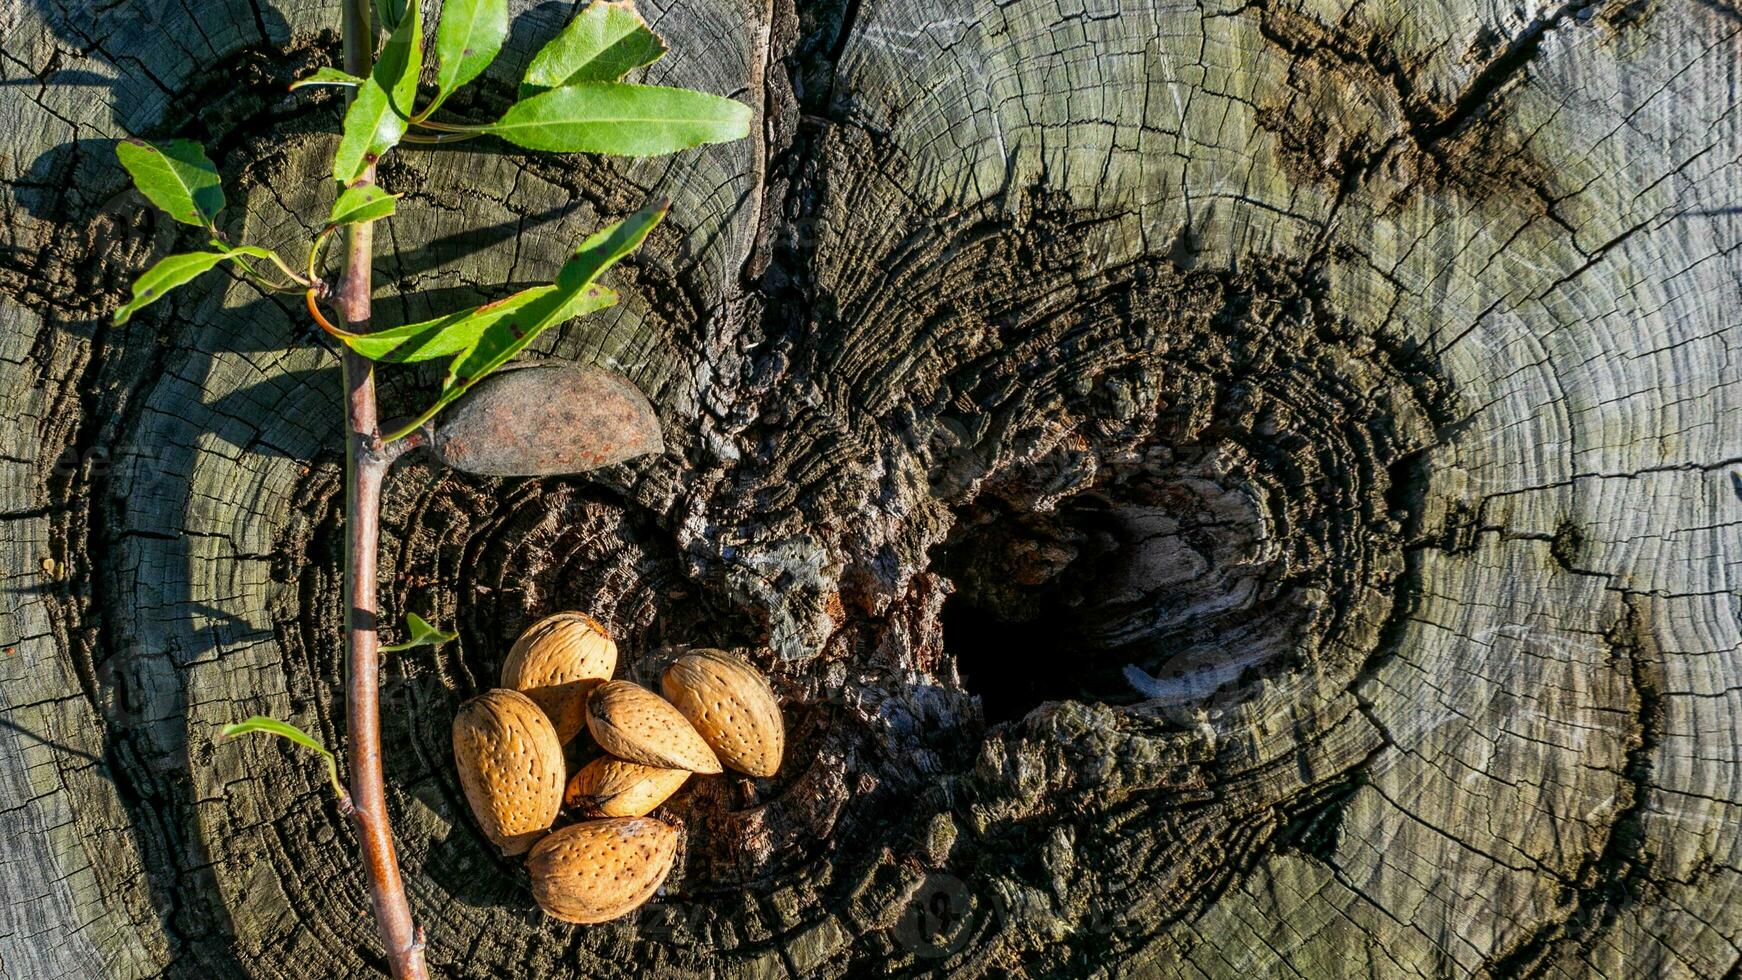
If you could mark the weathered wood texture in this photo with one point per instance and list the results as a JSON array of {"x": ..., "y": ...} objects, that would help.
[{"x": 1231, "y": 490}]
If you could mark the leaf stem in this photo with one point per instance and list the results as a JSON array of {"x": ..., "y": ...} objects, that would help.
[
  {"x": 434, "y": 104},
  {"x": 267, "y": 284},
  {"x": 237, "y": 256},
  {"x": 411, "y": 427},
  {"x": 295, "y": 276},
  {"x": 314, "y": 310},
  {"x": 314, "y": 252},
  {"x": 263, "y": 282},
  {"x": 438, "y": 138},
  {"x": 442, "y": 127}
]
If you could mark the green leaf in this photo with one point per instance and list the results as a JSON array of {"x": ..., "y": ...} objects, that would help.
[
  {"x": 389, "y": 13},
  {"x": 508, "y": 336},
  {"x": 179, "y": 269},
  {"x": 169, "y": 272},
  {"x": 364, "y": 203},
  {"x": 467, "y": 39},
  {"x": 602, "y": 44},
  {"x": 457, "y": 332},
  {"x": 272, "y": 726},
  {"x": 573, "y": 293},
  {"x": 176, "y": 176},
  {"x": 621, "y": 119},
  {"x": 422, "y": 635},
  {"x": 327, "y": 76},
  {"x": 383, "y": 106}
]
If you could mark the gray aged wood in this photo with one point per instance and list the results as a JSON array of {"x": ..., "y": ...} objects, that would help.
[{"x": 1231, "y": 490}]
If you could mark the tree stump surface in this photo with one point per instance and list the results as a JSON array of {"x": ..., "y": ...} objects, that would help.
[{"x": 1222, "y": 490}]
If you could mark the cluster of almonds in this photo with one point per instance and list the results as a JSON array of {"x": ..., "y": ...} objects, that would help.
[{"x": 508, "y": 745}]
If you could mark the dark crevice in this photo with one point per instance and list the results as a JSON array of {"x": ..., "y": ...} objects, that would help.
[
  {"x": 1620, "y": 874},
  {"x": 1494, "y": 76},
  {"x": 1566, "y": 545},
  {"x": 1010, "y": 666},
  {"x": 843, "y": 33},
  {"x": 1314, "y": 824}
]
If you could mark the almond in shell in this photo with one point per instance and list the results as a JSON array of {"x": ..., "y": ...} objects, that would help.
[
  {"x": 602, "y": 869},
  {"x": 609, "y": 787},
  {"x": 633, "y": 723},
  {"x": 557, "y": 662},
  {"x": 731, "y": 706},
  {"x": 511, "y": 767}
]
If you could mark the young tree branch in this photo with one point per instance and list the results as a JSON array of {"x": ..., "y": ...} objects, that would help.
[{"x": 365, "y": 467}]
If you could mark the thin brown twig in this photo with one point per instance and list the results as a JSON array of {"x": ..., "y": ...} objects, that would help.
[{"x": 365, "y": 468}]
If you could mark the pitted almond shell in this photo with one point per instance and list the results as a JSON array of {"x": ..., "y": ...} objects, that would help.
[
  {"x": 602, "y": 869},
  {"x": 511, "y": 767},
  {"x": 611, "y": 787},
  {"x": 731, "y": 706},
  {"x": 633, "y": 723},
  {"x": 557, "y": 662}
]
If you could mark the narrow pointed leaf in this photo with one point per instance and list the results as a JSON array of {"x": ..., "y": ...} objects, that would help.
[
  {"x": 589, "y": 300},
  {"x": 443, "y": 336},
  {"x": 467, "y": 39},
  {"x": 179, "y": 269},
  {"x": 366, "y": 202},
  {"x": 383, "y": 106},
  {"x": 503, "y": 337},
  {"x": 603, "y": 43},
  {"x": 608, "y": 246},
  {"x": 272, "y": 726},
  {"x": 389, "y": 13},
  {"x": 327, "y": 76},
  {"x": 621, "y": 119},
  {"x": 507, "y": 336},
  {"x": 176, "y": 176},
  {"x": 422, "y": 635},
  {"x": 449, "y": 335},
  {"x": 169, "y": 272}
]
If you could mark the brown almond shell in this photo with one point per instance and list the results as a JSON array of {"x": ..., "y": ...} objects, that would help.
[
  {"x": 557, "y": 663},
  {"x": 601, "y": 869},
  {"x": 612, "y": 787},
  {"x": 511, "y": 767},
  {"x": 731, "y": 705},
  {"x": 633, "y": 723}
]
